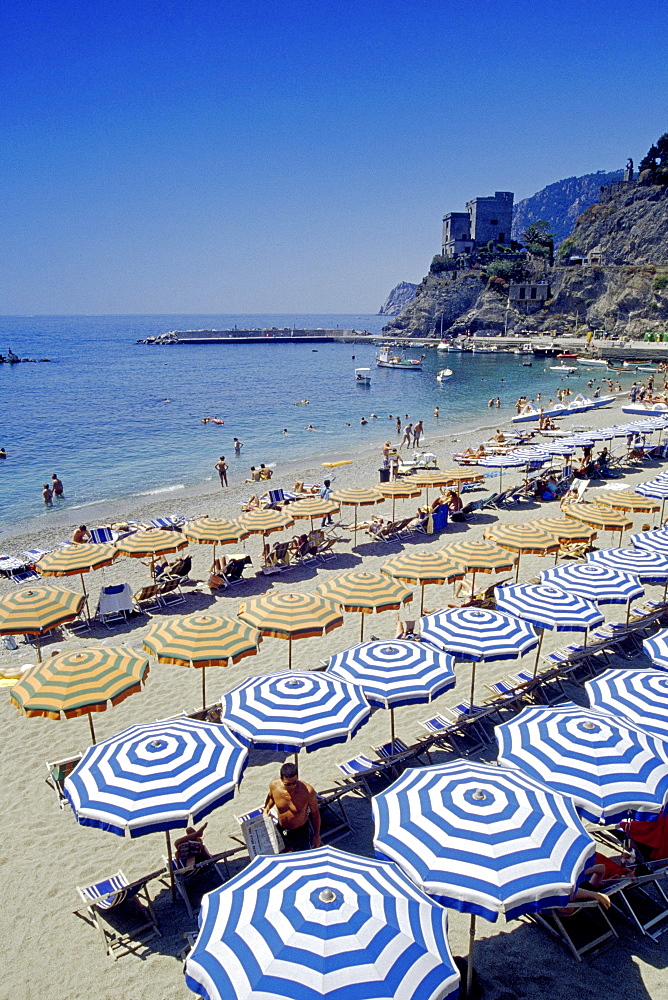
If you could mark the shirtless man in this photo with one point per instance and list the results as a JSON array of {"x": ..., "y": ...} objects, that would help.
[
  {"x": 221, "y": 469},
  {"x": 293, "y": 800}
]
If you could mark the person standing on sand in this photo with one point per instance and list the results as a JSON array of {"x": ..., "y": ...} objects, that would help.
[
  {"x": 221, "y": 469},
  {"x": 417, "y": 433},
  {"x": 406, "y": 439},
  {"x": 47, "y": 495},
  {"x": 56, "y": 486},
  {"x": 294, "y": 800}
]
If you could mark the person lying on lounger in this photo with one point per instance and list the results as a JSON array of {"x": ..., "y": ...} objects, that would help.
[{"x": 189, "y": 850}]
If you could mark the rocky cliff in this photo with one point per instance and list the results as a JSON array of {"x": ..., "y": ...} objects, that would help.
[
  {"x": 623, "y": 289},
  {"x": 561, "y": 203},
  {"x": 400, "y": 296}
]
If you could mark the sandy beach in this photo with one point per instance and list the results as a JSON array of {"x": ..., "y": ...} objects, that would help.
[{"x": 55, "y": 954}]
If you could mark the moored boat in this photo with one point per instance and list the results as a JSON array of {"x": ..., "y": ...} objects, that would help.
[
  {"x": 363, "y": 375},
  {"x": 444, "y": 373},
  {"x": 388, "y": 358}
]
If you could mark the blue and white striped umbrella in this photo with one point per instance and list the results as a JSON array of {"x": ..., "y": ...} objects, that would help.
[
  {"x": 656, "y": 648},
  {"x": 161, "y": 776},
  {"x": 657, "y": 488},
  {"x": 609, "y": 766},
  {"x": 650, "y": 567},
  {"x": 396, "y": 672},
  {"x": 560, "y": 448},
  {"x": 482, "y": 839},
  {"x": 531, "y": 454},
  {"x": 594, "y": 581},
  {"x": 638, "y": 695},
  {"x": 652, "y": 541},
  {"x": 295, "y": 710},
  {"x": 546, "y": 606},
  {"x": 502, "y": 461},
  {"x": 321, "y": 924},
  {"x": 478, "y": 634}
]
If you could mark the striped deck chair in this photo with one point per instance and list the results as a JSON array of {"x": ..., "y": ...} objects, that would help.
[
  {"x": 101, "y": 535},
  {"x": 58, "y": 770},
  {"x": 101, "y": 898}
]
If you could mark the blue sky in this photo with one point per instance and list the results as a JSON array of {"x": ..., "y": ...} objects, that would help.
[{"x": 254, "y": 156}]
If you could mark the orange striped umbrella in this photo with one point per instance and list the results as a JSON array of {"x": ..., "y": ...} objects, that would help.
[
  {"x": 400, "y": 489},
  {"x": 291, "y": 616},
  {"x": 459, "y": 476},
  {"x": 34, "y": 611},
  {"x": 214, "y": 531},
  {"x": 626, "y": 500},
  {"x": 151, "y": 543},
  {"x": 522, "y": 538},
  {"x": 312, "y": 507},
  {"x": 480, "y": 557},
  {"x": 365, "y": 592},
  {"x": 598, "y": 517},
  {"x": 423, "y": 568},
  {"x": 429, "y": 479},
  {"x": 201, "y": 641},
  {"x": 77, "y": 559},
  {"x": 565, "y": 528},
  {"x": 80, "y": 683},
  {"x": 357, "y": 496},
  {"x": 263, "y": 522}
]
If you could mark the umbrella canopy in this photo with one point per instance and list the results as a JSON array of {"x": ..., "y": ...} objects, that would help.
[
  {"x": 638, "y": 695},
  {"x": 597, "y": 516},
  {"x": 650, "y": 567},
  {"x": 319, "y": 924},
  {"x": 263, "y": 522},
  {"x": 502, "y": 462},
  {"x": 565, "y": 529},
  {"x": 653, "y": 541},
  {"x": 480, "y": 556},
  {"x": 357, "y": 497},
  {"x": 657, "y": 489},
  {"x": 365, "y": 592},
  {"x": 428, "y": 479},
  {"x": 151, "y": 543},
  {"x": 595, "y": 581},
  {"x": 523, "y": 539},
  {"x": 80, "y": 682},
  {"x": 161, "y": 776},
  {"x": 201, "y": 641},
  {"x": 559, "y": 448},
  {"x": 295, "y": 710},
  {"x": 312, "y": 507},
  {"x": 548, "y": 607},
  {"x": 482, "y": 839},
  {"x": 460, "y": 475},
  {"x": 401, "y": 489},
  {"x": 214, "y": 531},
  {"x": 478, "y": 634},
  {"x": 423, "y": 568},
  {"x": 623, "y": 500},
  {"x": 76, "y": 559},
  {"x": 608, "y": 766},
  {"x": 291, "y": 616},
  {"x": 33, "y": 611},
  {"x": 396, "y": 672},
  {"x": 657, "y": 648}
]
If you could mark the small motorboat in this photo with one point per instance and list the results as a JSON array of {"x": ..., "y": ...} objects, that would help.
[
  {"x": 593, "y": 362},
  {"x": 567, "y": 354},
  {"x": 527, "y": 364},
  {"x": 443, "y": 374},
  {"x": 386, "y": 359},
  {"x": 565, "y": 369},
  {"x": 363, "y": 375},
  {"x": 443, "y": 346}
]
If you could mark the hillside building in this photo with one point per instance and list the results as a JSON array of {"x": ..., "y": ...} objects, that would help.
[{"x": 485, "y": 219}]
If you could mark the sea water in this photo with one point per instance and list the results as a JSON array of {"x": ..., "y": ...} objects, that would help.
[{"x": 114, "y": 418}]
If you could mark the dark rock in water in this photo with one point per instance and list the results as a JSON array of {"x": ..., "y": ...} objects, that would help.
[{"x": 400, "y": 296}]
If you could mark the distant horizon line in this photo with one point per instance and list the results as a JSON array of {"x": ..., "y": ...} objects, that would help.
[{"x": 317, "y": 312}]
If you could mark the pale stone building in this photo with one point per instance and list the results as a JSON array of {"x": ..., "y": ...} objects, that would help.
[{"x": 485, "y": 219}]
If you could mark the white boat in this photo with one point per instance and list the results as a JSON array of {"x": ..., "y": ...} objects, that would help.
[
  {"x": 567, "y": 369},
  {"x": 387, "y": 358},
  {"x": 443, "y": 346},
  {"x": 645, "y": 410},
  {"x": 593, "y": 362},
  {"x": 363, "y": 375},
  {"x": 647, "y": 368},
  {"x": 444, "y": 373},
  {"x": 527, "y": 413}
]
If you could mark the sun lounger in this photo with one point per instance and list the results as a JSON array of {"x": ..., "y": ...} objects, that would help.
[
  {"x": 643, "y": 903},
  {"x": 169, "y": 592},
  {"x": 169, "y": 523},
  {"x": 115, "y": 603},
  {"x": 185, "y": 876},
  {"x": 147, "y": 597},
  {"x": 586, "y": 931},
  {"x": 59, "y": 770},
  {"x": 101, "y": 535},
  {"x": 107, "y": 895},
  {"x": 452, "y": 735}
]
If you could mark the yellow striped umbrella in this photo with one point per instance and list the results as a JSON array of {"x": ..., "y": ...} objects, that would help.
[
  {"x": 522, "y": 538},
  {"x": 625, "y": 500},
  {"x": 401, "y": 489},
  {"x": 77, "y": 559},
  {"x": 598, "y": 517},
  {"x": 365, "y": 592},
  {"x": 459, "y": 476},
  {"x": 429, "y": 479},
  {"x": 423, "y": 568},
  {"x": 480, "y": 557},
  {"x": 214, "y": 531},
  {"x": 80, "y": 683},
  {"x": 291, "y": 616},
  {"x": 263, "y": 522},
  {"x": 565, "y": 529},
  {"x": 313, "y": 507},
  {"x": 201, "y": 641},
  {"x": 357, "y": 496},
  {"x": 34, "y": 611}
]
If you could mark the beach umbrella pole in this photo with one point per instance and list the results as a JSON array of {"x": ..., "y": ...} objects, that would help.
[
  {"x": 170, "y": 863},
  {"x": 392, "y": 729},
  {"x": 472, "y": 684},
  {"x": 92, "y": 730},
  {"x": 469, "y": 964},
  {"x": 289, "y": 652},
  {"x": 203, "y": 687},
  {"x": 540, "y": 643},
  {"x": 362, "y": 627},
  {"x": 517, "y": 573},
  {"x": 83, "y": 587},
  {"x": 421, "y": 600}
]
